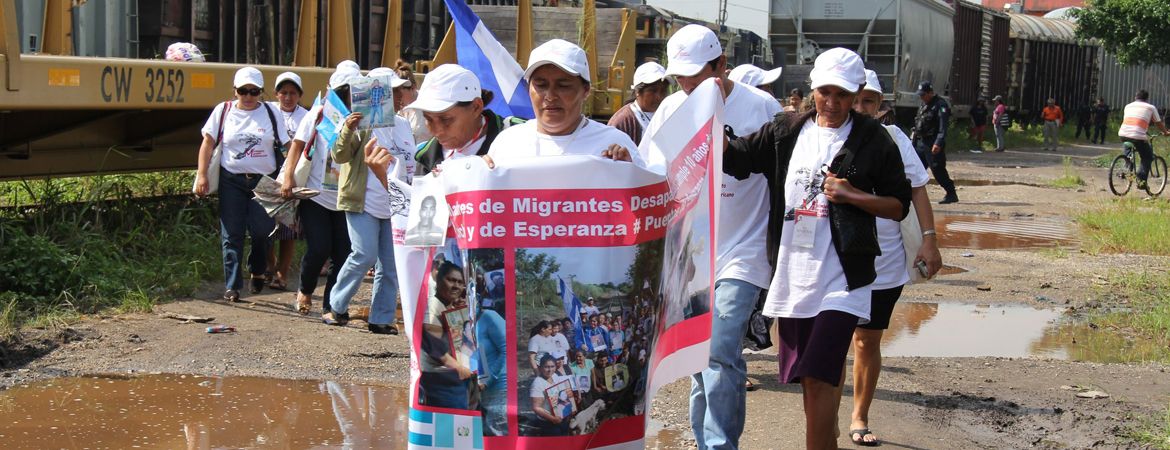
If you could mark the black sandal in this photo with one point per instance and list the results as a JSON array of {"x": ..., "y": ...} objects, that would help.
[
  {"x": 257, "y": 284},
  {"x": 860, "y": 439}
]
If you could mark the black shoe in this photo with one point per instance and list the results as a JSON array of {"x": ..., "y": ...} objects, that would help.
[
  {"x": 383, "y": 329},
  {"x": 257, "y": 285},
  {"x": 232, "y": 296},
  {"x": 948, "y": 200}
]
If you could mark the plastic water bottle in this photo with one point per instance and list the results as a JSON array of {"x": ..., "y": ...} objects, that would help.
[{"x": 221, "y": 329}]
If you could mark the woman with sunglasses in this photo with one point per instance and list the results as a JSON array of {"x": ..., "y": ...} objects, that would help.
[{"x": 251, "y": 141}]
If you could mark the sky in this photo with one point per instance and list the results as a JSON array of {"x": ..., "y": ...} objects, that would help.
[
  {"x": 589, "y": 264},
  {"x": 745, "y": 14}
]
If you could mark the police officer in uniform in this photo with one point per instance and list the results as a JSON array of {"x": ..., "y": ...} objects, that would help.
[{"x": 929, "y": 136}]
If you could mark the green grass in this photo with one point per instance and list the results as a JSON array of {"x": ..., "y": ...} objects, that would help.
[
  {"x": 1146, "y": 293},
  {"x": 1071, "y": 179},
  {"x": 1127, "y": 225},
  {"x": 118, "y": 243},
  {"x": 1153, "y": 432}
]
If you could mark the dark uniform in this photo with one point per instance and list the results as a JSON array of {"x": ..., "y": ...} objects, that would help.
[
  {"x": 1100, "y": 119},
  {"x": 930, "y": 129}
]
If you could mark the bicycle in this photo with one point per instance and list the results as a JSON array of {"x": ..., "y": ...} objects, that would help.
[{"x": 1123, "y": 172}]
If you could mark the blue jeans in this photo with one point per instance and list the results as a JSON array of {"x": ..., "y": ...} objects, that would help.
[
  {"x": 371, "y": 242},
  {"x": 718, "y": 398},
  {"x": 239, "y": 214}
]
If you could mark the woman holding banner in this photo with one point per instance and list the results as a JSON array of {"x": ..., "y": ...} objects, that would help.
[
  {"x": 830, "y": 171},
  {"x": 558, "y": 84}
]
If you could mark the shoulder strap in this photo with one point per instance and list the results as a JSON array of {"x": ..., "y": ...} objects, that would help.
[
  {"x": 272, "y": 118},
  {"x": 222, "y": 117}
]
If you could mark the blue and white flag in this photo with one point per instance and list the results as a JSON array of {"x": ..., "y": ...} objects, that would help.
[
  {"x": 333, "y": 118},
  {"x": 478, "y": 51},
  {"x": 572, "y": 304},
  {"x": 429, "y": 430}
]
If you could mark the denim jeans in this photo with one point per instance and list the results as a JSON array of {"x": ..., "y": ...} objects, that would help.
[
  {"x": 1000, "y": 140},
  {"x": 240, "y": 214},
  {"x": 371, "y": 242},
  {"x": 718, "y": 398},
  {"x": 494, "y": 404},
  {"x": 1145, "y": 156},
  {"x": 326, "y": 237}
]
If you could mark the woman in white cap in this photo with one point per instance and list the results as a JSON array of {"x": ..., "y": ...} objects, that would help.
[
  {"x": 288, "y": 96},
  {"x": 452, "y": 104},
  {"x": 650, "y": 88},
  {"x": 830, "y": 172},
  {"x": 558, "y": 84},
  {"x": 252, "y": 142},
  {"x": 324, "y": 226},
  {"x": 755, "y": 77},
  {"x": 362, "y": 193},
  {"x": 406, "y": 95},
  {"x": 891, "y": 269}
]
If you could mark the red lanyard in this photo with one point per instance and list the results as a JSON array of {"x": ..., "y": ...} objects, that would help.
[{"x": 451, "y": 153}]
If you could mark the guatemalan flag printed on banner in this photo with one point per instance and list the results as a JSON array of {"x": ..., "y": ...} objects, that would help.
[
  {"x": 478, "y": 51},
  {"x": 572, "y": 304},
  {"x": 444, "y": 431}
]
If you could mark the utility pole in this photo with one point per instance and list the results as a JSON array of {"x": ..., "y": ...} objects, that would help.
[{"x": 722, "y": 13}]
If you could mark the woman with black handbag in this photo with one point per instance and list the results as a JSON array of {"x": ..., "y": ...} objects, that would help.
[
  {"x": 242, "y": 142},
  {"x": 830, "y": 171}
]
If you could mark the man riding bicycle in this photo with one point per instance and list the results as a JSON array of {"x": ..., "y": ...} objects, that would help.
[{"x": 1137, "y": 119}]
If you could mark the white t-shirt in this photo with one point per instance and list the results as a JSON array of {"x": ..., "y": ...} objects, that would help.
[
  {"x": 542, "y": 345},
  {"x": 809, "y": 277},
  {"x": 590, "y": 138},
  {"x": 400, "y": 141},
  {"x": 539, "y": 385},
  {"x": 891, "y": 264},
  {"x": 324, "y": 174},
  {"x": 561, "y": 344},
  {"x": 743, "y": 213},
  {"x": 292, "y": 120},
  {"x": 1137, "y": 119},
  {"x": 247, "y": 138}
]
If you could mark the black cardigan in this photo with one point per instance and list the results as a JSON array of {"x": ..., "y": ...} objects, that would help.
[{"x": 877, "y": 169}]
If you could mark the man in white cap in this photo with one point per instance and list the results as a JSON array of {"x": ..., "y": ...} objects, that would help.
[
  {"x": 891, "y": 269},
  {"x": 830, "y": 172},
  {"x": 558, "y": 85},
  {"x": 453, "y": 106},
  {"x": 718, "y": 394},
  {"x": 650, "y": 87},
  {"x": 754, "y": 76}
]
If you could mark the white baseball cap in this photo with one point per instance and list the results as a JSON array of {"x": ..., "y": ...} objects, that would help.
[
  {"x": 754, "y": 76},
  {"x": 248, "y": 75},
  {"x": 342, "y": 76},
  {"x": 289, "y": 76},
  {"x": 564, "y": 54},
  {"x": 649, "y": 73},
  {"x": 839, "y": 67},
  {"x": 388, "y": 72},
  {"x": 445, "y": 86},
  {"x": 871, "y": 81},
  {"x": 690, "y": 49},
  {"x": 349, "y": 65}
]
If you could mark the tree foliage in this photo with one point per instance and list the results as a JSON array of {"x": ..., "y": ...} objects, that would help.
[
  {"x": 534, "y": 276},
  {"x": 1134, "y": 30}
]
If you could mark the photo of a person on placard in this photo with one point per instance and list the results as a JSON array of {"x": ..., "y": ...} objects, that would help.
[{"x": 425, "y": 232}]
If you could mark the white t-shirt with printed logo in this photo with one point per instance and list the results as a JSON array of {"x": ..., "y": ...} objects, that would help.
[
  {"x": 590, "y": 138},
  {"x": 891, "y": 264},
  {"x": 324, "y": 174},
  {"x": 292, "y": 120},
  {"x": 743, "y": 209},
  {"x": 247, "y": 138},
  {"x": 1136, "y": 120},
  {"x": 809, "y": 278}
]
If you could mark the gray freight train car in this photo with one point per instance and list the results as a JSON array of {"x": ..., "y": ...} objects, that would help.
[
  {"x": 904, "y": 41},
  {"x": 1048, "y": 61}
]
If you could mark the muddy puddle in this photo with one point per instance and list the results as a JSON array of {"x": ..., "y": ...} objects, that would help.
[
  {"x": 984, "y": 233},
  {"x": 190, "y": 412}
]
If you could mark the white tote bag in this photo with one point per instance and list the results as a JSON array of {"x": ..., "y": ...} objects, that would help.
[
  {"x": 911, "y": 242},
  {"x": 304, "y": 164},
  {"x": 213, "y": 165}
]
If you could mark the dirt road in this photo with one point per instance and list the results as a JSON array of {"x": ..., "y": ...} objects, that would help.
[{"x": 922, "y": 402}]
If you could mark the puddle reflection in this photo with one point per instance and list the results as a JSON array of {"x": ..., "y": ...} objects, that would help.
[
  {"x": 983, "y": 233},
  {"x": 184, "y": 411}
]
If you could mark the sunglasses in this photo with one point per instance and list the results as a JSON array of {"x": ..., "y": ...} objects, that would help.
[{"x": 249, "y": 91}]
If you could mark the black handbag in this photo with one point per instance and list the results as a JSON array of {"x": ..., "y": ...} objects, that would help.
[{"x": 854, "y": 231}]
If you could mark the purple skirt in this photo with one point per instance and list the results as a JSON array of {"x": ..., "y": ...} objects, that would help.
[{"x": 816, "y": 346}]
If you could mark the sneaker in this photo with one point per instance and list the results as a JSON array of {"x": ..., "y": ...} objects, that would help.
[
  {"x": 383, "y": 329},
  {"x": 232, "y": 296},
  {"x": 1142, "y": 184},
  {"x": 948, "y": 200}
]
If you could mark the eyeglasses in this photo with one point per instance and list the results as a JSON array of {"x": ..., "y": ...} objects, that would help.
[{"x": 249, "y": 91}]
